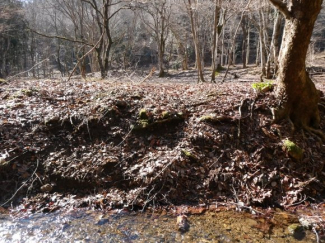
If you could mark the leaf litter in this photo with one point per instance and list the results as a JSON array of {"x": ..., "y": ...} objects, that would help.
[{"x": 85, "y": 144}]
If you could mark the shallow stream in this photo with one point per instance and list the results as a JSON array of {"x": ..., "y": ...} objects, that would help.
[{"x": 92, "y": 226}]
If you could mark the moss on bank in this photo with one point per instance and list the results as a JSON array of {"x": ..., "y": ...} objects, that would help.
[{"x": 292, "y": 149}]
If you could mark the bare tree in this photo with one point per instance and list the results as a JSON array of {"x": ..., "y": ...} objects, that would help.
[
  {"x": 12, "y": 37},
  {"x": 104, "y": 12},
  {"x": 232, "y": 50},
  {"x": 181, "y": 42},
  {"x": 193, "y": 13},
  {"x": 275, "y": 46},
  {"x": 156, "y": 18},
  {"x": 245, "y": 42},
  {"x": 217, "y": 28}
]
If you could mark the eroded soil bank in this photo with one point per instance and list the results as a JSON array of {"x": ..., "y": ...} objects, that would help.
[{"x": 121, "y": 143}]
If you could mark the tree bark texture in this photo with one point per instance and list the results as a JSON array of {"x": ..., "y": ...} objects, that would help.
[
  {"x": 275, "y": 46},
  {"x": 248, "y": 45},
  {"x": 216, "y": 31},
  {"x": 196, "y": 42},
  {"x": 262, "y": 32},
  {"x": 244, "y": 26},
  {"x": 296, "y": 92},
  {"x": 162, "y": 40}
]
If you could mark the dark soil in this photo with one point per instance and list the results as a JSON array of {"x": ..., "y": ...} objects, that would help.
[{"x": 123, "y": 143}]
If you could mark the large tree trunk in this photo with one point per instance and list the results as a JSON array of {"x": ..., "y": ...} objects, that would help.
[
  {"x": 295, "y": 90},
  {"x": 161, "y": 50}
]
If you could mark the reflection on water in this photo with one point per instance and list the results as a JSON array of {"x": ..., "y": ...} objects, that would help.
[{"x": 90, "y": 226}]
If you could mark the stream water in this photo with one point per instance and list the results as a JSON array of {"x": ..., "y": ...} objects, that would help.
[{"x": 92, "y": 226}]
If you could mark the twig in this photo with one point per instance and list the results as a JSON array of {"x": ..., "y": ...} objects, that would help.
[
  {"x": 152, "y": 198},
  {"x": 81, "y": 58},
  {"x": 149, "y": 198},
  {"x": 60, "y": 37},
  {"x": 11, "y": 77},
  {"x": 163, "y": 170},
  {"x": 252, "y": 107},
  {"x": 123, "y": 140},
  {"x": 89, "y": 130},
  {"x": 8, "y": 162},
  {"x": 240, "y": 117},
  {"x": 297, "y": 203},
  {"x": 216, "y": 160},
  {"x": 21, "y": 185},
  {"x": 136, "y": 197},
  {"x": 235, "y": 193},
  {"x": 316, "y": 233},
  {"x": 149, "y": 75},
  {"x": 125, "y": 137}
]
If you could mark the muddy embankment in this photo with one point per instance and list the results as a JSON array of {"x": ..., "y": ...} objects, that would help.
[{"x": 118, "y": 143}]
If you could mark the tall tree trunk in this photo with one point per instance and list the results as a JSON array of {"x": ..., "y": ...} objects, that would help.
[
  {"x": 274, "y": 49},
  {"x": 248, "y": 42},
  {"x": 216, "y": 31},
  {"x": 181, "y": 49},
  {"x": 244, "y": 26},
  {"x": 262, "y": 31},
  {"x": 32, "y": 52},
  {"x": 257, "y": 60},
  {"x": 222, "y": 60},
  {"x": 277, "y": 43},
  {"x": 161, "y": 45},
  {"x": 161, "y": 60},
  {"x": 297, "y": 93},
  {"x": 232, "y": 55},
  {"x": 196, "y": 43},
  {"x": 103, "y": 72},
  {"x": 185, "y": 56}
]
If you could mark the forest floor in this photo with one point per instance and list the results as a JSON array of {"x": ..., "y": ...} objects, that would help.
[{"x": 123, "y": 143}]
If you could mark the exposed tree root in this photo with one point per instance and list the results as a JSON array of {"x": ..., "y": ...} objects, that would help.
[
  {"x": 316, "y": 132},
  {"x": 23, "y": 184},
  {"x": 280, "y": 114}
]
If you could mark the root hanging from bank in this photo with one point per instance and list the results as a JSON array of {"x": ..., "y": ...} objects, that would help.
[{"x": 22, "y": 185}]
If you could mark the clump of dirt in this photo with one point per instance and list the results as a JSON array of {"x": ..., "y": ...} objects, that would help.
[{"x": 123, "y": 144}]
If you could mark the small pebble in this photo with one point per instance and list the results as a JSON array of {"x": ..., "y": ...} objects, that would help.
[{"x": 46, "y": 188}]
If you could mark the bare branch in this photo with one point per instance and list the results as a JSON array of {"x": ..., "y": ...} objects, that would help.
[
  {"x": 90, "y": 51},
  {"x": 281, "y": 6},
  {"x": 94, "y": 6},
  {"x": 37, "y": 64},
  {"x": 118, "y": 10},
  {"x": 61, "y": 38}
]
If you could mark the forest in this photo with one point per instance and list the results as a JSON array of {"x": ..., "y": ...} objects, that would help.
[
  {"x": 48, "y": 38},
  {"x": 143, "y": 104}
]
